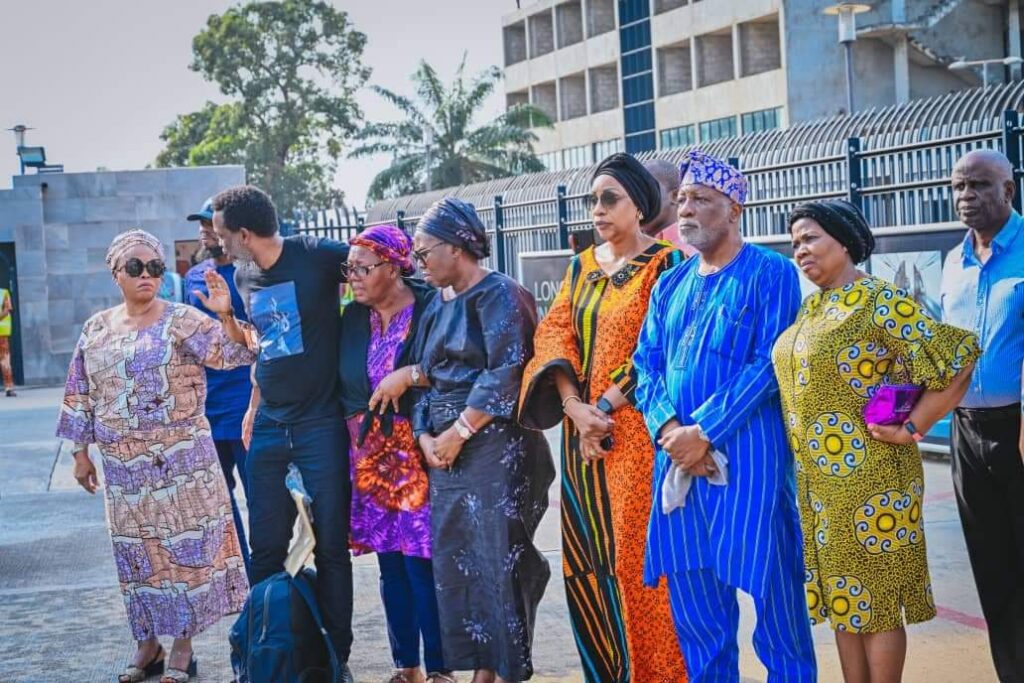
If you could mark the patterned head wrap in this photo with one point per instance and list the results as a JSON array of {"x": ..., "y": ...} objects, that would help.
[
  {"x": 698, "y": 168},
  {"x": 843, "y": 221},
  {"x": 636, "y": 180},
  {"x": 389, "y": 244},
  {"x": 126, "y": 241},
  {"x": 454, "y": 221}
]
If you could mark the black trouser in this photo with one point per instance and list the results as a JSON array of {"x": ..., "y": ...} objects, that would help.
[{"x": 989, "y": 480}]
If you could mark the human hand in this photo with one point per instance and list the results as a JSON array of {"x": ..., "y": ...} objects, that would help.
[
  {"x": 390, "y": 390},
  {"x": 85, "y": 471},
  {"x": 447, "y": 446},
  {"x": 219, "y": 299},
  {"x": 895, "y": 434},
  {"x": 247, "y": 422},
  {"x": 684, "y": 446},
  {"x": 590, "y": 422},
  {"x": 705, "y": 468}
]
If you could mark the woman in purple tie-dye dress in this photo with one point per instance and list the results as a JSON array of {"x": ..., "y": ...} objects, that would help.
[{"x": 136, "y": 388}]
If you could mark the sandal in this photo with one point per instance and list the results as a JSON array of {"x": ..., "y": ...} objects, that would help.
[
  {"x": 135, "y": 674},
  {"x": 439, "y": 677},
  {"x": 399, "y": 677},
  {"x": 172, "y": 675}
]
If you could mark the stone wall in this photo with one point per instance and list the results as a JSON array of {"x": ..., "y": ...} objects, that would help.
[{"x": 61, "y": 225}]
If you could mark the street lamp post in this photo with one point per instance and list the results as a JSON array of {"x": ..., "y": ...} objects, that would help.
[
  {"x": 847, "y": 13},
  {"x": 983, "y": 63}
]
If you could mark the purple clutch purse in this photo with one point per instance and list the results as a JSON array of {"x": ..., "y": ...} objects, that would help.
[{"x": 892, "y": 404}]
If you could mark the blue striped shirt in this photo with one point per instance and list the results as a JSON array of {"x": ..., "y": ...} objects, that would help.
[
  {"x": 989, "y": 300},
  {"x": 704, "y": 356}
]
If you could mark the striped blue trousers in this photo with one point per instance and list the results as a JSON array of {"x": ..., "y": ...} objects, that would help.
[{"x": 707, "y": 616}]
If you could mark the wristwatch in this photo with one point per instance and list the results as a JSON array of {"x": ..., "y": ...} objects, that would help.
[
  {"x": 605, "y": 406},
  {"x": 462, "y": 430},
  {"x": 414, "y": 373},
  {"x": 914, "y": 434}
]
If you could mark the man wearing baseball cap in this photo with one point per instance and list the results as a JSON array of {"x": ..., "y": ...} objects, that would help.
[{"x": 227, "y": 391}]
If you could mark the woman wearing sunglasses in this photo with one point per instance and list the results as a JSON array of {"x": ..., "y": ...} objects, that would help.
[
  {"x": 390, "y": 497},
  {"x": 489, "y": 476},
  {"x": 136, "y": 388},
  {"x": 582, "y": 376}
]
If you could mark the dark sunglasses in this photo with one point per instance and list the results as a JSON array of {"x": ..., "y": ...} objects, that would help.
[
  {"x": 349, "y": 269},
  {"x": 133, "y": 267},
  {"x": 607, "y": 199},
  {"x": 420, "y": 256}
]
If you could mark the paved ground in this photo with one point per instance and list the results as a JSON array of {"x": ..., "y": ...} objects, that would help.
[{"x": 61, "y": 616}]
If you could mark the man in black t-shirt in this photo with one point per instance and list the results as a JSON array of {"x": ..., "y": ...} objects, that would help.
[{"x": 290, "y": 289}]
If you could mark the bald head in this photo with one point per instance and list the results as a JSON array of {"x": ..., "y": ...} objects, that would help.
[
  {"x": 667, "y": 175},
  {"x": 989, "y": 158},
  {"x": 983, "y": 190}
]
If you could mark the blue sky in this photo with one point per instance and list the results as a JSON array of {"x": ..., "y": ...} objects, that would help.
[{"x": 99, "y": 80}]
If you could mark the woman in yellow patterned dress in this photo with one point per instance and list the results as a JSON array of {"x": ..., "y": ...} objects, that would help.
[{"x": 860, "y": 486}]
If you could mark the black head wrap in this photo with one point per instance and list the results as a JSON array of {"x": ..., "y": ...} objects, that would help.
[
  {"x": 843, "y": 221},
  {"x": 454, "y": 221},
  {"x": 638, "y": 182}
]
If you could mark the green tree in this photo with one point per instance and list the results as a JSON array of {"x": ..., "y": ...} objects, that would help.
[
  {"x": 291, "y": 69},
  {"x": 459, "y": 152}
]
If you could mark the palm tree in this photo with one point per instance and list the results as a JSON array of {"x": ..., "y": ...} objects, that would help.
[{"x": 438, "y": 133}]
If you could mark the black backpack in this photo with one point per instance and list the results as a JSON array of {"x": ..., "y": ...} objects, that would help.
[{"x": 280, "y": 636}]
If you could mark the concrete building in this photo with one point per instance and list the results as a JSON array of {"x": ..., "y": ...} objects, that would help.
[
  {"x": 54, "y": 232},
  {"x": 641, "y": 75}
]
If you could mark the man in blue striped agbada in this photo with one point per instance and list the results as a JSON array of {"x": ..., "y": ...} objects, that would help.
[{"x": 706, "y": 386}]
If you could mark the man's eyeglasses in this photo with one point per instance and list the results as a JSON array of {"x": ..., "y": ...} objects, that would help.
[
  {"x": 351, "y": 270},
  {"x": 420, "y": 255},
  {"x": 607, "y": 199},
  {"x": 133, "y": 267}
]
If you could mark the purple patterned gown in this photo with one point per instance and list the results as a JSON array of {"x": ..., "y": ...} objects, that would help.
[
  {"x": 390, "y": 505},
  {"x": 140, "y": 397}
]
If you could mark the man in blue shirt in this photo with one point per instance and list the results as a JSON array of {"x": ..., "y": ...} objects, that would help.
[
  {"x": 983, "y": 291},
  {"x": 708, "y": 394},
  {"x": 227, "y": 391}
]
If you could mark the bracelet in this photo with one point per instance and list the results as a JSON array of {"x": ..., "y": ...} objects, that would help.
[
  {"x": 465, "y": 423},
  {"x": 570, "y": 398}
]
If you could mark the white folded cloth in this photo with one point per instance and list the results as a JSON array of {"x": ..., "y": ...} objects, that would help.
[{"x": 678, "y": 481}]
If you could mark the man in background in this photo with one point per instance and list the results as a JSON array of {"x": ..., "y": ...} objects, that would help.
[{"x": 227, "y": 391}]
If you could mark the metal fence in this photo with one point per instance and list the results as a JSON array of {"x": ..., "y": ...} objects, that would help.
[{"x": 896, "y": 185}]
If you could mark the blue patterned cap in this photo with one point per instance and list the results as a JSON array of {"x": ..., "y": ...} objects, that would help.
[{"x": 698, "y": 168}]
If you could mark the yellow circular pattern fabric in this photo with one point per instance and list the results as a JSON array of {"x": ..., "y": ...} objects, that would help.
[{"x": 866, "y": 566}]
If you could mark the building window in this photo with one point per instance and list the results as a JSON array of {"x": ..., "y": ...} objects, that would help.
[
  {"x": 756, "y": 121},
  {"x": 718, "y": 128},
  {"x": 606, "y": 148},
  {"x": 552, "y": 160},
  {"x": 642, "y": 142},
  {"x": 576, "y": 157},
  {"x": 683, "y": 136}
]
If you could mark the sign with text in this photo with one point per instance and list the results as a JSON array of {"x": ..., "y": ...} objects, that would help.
[{"x": 541, "y": 272}]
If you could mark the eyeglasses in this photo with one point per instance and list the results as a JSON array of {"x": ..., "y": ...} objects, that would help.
[
  {"x": 349, "y": 270},
  {"x": 420, "y": 255},
  {"x": 133, "y": 267},
  {"x": 607, "y": 199}
]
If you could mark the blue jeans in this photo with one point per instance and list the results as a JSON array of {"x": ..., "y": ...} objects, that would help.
[
  {"x": 410, "y": 605},
  {"x": 319, "y": 448},
  {"x": 232, "y": 454}
]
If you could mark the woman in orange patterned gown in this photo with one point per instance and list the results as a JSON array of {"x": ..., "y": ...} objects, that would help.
[{"x": 582, "y": 375}]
